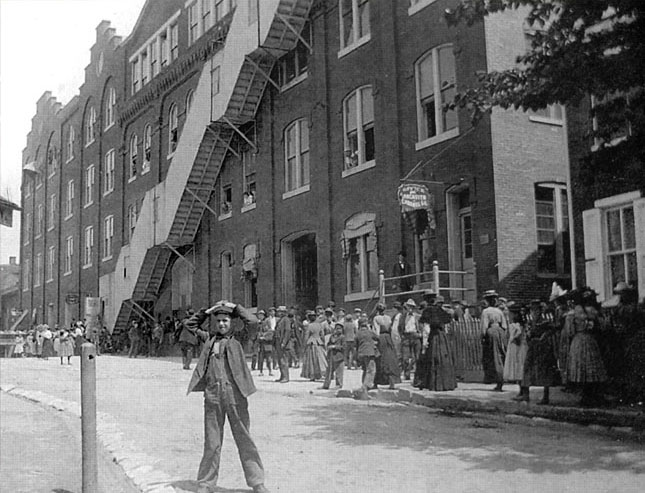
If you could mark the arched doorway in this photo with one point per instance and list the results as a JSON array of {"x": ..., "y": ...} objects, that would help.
[{"x": 300, "y": 270}]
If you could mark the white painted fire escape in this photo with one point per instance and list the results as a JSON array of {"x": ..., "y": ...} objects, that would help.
[{"x": 172, "y": 211}]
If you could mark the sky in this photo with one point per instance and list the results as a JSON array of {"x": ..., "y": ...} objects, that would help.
[{"x": 44, "y": 46}]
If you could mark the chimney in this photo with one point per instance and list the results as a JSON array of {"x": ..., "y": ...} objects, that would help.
[{"x": 12, "y": 260}]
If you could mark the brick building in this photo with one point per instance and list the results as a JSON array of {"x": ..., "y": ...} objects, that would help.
[{"x": 254, "y": 152}]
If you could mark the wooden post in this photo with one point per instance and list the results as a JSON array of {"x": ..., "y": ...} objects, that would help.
[
  {"x": 381, "y": 286},
  {"x": 88, "y": 418},
  {"x": 435, "y": 276}
]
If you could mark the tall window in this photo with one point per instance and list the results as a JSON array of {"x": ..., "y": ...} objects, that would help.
[
  {"x": 90, "y": 126},
  {"x": 110, "y": 108},
  {"x": 51, "y": 220},
  {"x": 293, "y": 66},
  {"x": 28, "y": 227},
  {"x": 145, "y": 68},
  {"x": 174, "y": 42},
  {"x": 70, "y": 143},
  {"x": 207, "y": 19},
  {"x": 552, "y": 220},
  {"x": 132, "y": 219},
  {"x": 52, "y": 161},
  {"x": 227, "y": 275},
  {"x": 26, "y": 274},
  {"x": 248, "y": 175},
  {"x": 296, "y": 142},
  {"x": 165, "y": 48},
  {"x": 360, "y": 253},
  {"x": 108, "y": 235},
  {"x": 69, "y": 203},
  {"x": 135, "y": 70},
  {"x": 51, "y": 262},
  {"x": 153, "y": 49},
  {"x": 189, "y": 101},
  {"x": 108, "y": 179},
  {"x": 226, "y": 200},
  {"x": 222, "y": 7},
  {"x": 215, "y": 76},
  {"x": 173, "y": 135},
  {"x": 147, "y": 149},
  {"x": 621, "y": 245},
  {"x": 40, "y": 226},
  {"x": 134, "y": 144},
  {"x": 69, "y": 254},
  {"x": 89, "y": 186},
  {"x": 358, "y": 122},
  {"x": 38, "y": 274},
  {"x": 193, "y": 23},
  {"x": 250, "y": 275},
  {"x": 354, "y": 22},
  {"x": 89, "y": 246},
  {"x": 436, "y": 86}
]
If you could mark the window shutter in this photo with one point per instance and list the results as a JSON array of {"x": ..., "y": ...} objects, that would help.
[
  {"x": 639, "y": 223},
  {"x": 343, "y": 246},
  {"x": 594, "y": 256}
]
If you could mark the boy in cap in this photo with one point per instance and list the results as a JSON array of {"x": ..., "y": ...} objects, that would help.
[
  {"x": 222, "y": 374},
  {"x": 335, "y": 356}
]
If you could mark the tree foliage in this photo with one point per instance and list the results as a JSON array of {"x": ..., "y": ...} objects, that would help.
[{"x": 579, "y": 48}]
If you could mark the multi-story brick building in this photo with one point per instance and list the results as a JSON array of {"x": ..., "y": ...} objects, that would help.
[{"x": 255, "y": 152}]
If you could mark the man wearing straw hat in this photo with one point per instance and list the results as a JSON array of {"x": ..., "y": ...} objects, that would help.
[{"x": 410, "y": 338}]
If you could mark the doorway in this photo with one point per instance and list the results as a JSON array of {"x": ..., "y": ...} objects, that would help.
[
  {"x": 300, "y": 271},
  {"x": 460, "y": 245}
]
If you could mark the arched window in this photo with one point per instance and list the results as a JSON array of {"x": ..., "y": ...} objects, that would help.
[
  {"x": 173, "y": 135},
  {"x": 133, "y": 156},
  {"x": 189, "y": 101},
  {"x": 296, "y": 155},
  {"x": 110, "y": 108},
  {"x": 70, "y": 143},
  {"x": 147, "y": 149},
  {"x": 358, "y": 124},
  {"x": 90, "y": 126}
]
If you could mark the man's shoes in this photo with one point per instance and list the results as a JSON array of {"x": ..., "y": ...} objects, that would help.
[
  {"x": 260, "y": 488},
  {"x": 260, "y": 374},
  {"x": 283, "y": 381}
]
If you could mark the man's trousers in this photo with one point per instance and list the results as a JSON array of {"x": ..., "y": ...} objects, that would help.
[
  {"x": 410, "y": 351},
  {"x": 217, "y": 406},
  {"x": 334, "y": 368},
  {"x": 368, "y": 364},
  {"x": 283, "y": 362}
]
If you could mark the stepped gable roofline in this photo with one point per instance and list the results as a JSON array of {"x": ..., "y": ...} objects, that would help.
[
  {"x": 68, "y": 109},
  {"x": 144, "y": 15}
]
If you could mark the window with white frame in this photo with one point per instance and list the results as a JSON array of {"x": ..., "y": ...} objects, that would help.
[
  {"x": 551, "y": 114},
  {"x": 360, "y": 253},
  {"x": 417, "y": 5},
  {"x": 52, "y": 161},
  {"x": 145, "y": 68},
  {"x": 51, "y": 262},
  {"x": 38, "y": 274},
  {"x": 621, "y": 245},
  {"x": 189, "y": 100},
  {"x": 193, "y": 22},
  {"x": 88, "y": 247},
  {"x": 134, "y": 149},
  {"x": 89, "y": 186},
  {"x": 51, "y": 220},
  {"x": 226, "y": 200},
  {"x": 110, "y": 108},
  {"x": 69, "y": 255},
  {"x": 250, "y": 275},
  {"x": 69, "y": 202},
  {"x": 436, "y": 85},
  {"x": 133, "y": 214},
  {"x": 108, "y": 236},
  {"x": 207, "y": 18},
  {"x": 227, "y": 275},
  {"x": 174, "y": 42},
  {"x": 70, "y": 143},
  {"x": 223, "y": 7},
  {"x": 165, "y": 48},
  {"x": 135, "y": 71},
  {"x": 153, "y": 50},
  {"x": 358, "y": 124},
  {"x": 90, "y": 126},
  {"x": 147, "y": 149},
  {"x": 354, "y": 23},
  {"x": 248, "y": 177},
  {"x": 40, "y": 225},
  {"x": 26, "y": 274},
  {"x": 600, "y": 120},
  {"x": 28, "y": 227},
  {"x": 293, "y": 66},
  {"x": 215, "y": 77},
  {"x": 552, "y": 227},
  {"x": 108, "y": 170},
  {"x": 173, "y": 131},
  {"x": 296, "y": 151}
]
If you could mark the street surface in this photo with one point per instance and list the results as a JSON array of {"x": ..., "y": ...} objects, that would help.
[{"x": 311, "y": 441}]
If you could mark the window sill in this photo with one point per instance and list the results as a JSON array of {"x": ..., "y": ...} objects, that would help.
[
  {"x": 356, "y": 44},
  {"x": 359, "y": 168},
  {"x": 599, "y": 143},
  {"x": 366, "y": 295},
  {"x": 552, "y": 275},
  {"x": 450, "y": 134},
  {"x": 108, "y": 127},
  {"x": 294, "y": 82},
  {"x": 51, "y": 228},
  {"x": 38, "y": 237},
  {"x": 546, "y": 120},
  {"x": 49, "y": 280},
  {"x": 170, "y": 155},
  {"x": 68, "y": 273},
  {"x": 87, "y": 266},
  {"x": 68, "y": 217},
  {"x": 249, "y": 207},
  {"x": 420, "y": 6},
  {"x": 69, "y": 159},
  {"x": 131, "y": 179},
  {"x": 87, "y": 205},
  {"x": 105, "y": 259},
  {"x": 108, "y": 192},
  {"x": 145, "y": 171},
  {"x": 223, "y": 217},
  {"x": 295, "y": 191},
  {"x": 90, "y": 143}
]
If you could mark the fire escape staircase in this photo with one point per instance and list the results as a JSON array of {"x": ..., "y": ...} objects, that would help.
[{"x": 172, "y": 211}]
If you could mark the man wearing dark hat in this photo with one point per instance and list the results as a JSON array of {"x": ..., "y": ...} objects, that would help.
[
  {"x": 402, "y": 268},
  {"x": 187, "y": 340},
  {"x": 222, "y": 374},
  {"x": 281, "y": 341}
]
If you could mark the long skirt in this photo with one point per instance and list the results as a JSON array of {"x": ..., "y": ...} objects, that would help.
[
  {"x": 439, "y": 367},
  {"x": 541, "y": 365},
  {"x": 78, "y": 342},
  {"x": 48, "y": 348},
  {"x": 515, "y": 359},
  {"x": 494, "y": 354},
  {"x": 314, "y": 363},
  {"x": 65, "y": 348},
  {"x": 585, "y": 363},
  {"x": 388, "y": 370}
]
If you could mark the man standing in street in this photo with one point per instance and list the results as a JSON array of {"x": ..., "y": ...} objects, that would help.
[
  {"x": 187, "y": 340},
  {"x": 349, "y": 342},
  {"x": 410, "y": 338},
  {"x": 366, "y": 341},
  {"x": 281, "y": 340},
  {"x": 224, "y": 377}
]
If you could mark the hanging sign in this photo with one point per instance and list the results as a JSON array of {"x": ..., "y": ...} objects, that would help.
[{"x": 414, "y": 197}]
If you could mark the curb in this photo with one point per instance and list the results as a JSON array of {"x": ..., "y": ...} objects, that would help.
[
  {"x": 136, "y": 465},
  {"x": 598, "y": 420}
]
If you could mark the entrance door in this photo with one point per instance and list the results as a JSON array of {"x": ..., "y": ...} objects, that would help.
[
  {"x": 300, "y": 271},
  {"x": 466, "y": 240}
]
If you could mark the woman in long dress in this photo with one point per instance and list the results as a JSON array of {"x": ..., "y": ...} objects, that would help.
[
  {"x": 48, "y": 343},
  {"x": 65, "y": 346},
  {"x": 314, "y": 364},
  {"x": 493, "y": 325},
  {"x": 388, "y": 371},
  {"x": 517, "y": 346}
]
